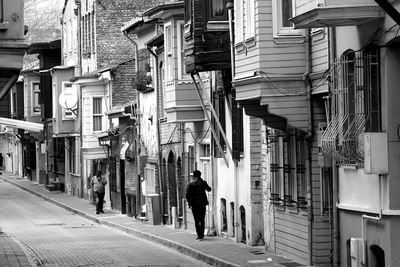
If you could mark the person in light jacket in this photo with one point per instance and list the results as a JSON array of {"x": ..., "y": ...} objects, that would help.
[
  {"x": 197, "y": 200},
  {"x": 98, "y": 186}
]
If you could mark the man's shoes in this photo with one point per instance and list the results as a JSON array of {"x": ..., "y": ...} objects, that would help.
[
  {"x": 199, "y": 238},
  {"x": 97, "y": 212},
  {"x": 101, "y": 211}
]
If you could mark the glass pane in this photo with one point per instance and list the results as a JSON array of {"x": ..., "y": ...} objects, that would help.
[
  {"x": 286, "y": 13},
  {"x": 97, "y": 123},
  {"x": 218, "y": 8},
  {"x": 36, "y": 99},
  {"x": 97, "y": 105}
]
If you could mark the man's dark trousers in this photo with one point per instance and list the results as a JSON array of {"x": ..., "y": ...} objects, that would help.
[
  {"x": 199, "y": 213},
  {"x": 99, "y": 197}
]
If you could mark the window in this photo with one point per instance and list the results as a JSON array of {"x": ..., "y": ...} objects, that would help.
[
  {"x": 219, "y": 106},
  {"x": 59, "y": 154},
  {"x": 14, "y": 104},
  {"x": 36, "y": 97},
  {"x": 287, "y": 13},
  {"x": 97, "y": 114},
  {"x": 188, "y": 11},
  {"x": 1, "y": 12},
  {"x": 181, "y": 52},
  {"x": 65, "y": 38},
  {"x": 283, "y": 10},
  {"x": 250, "y": 22},
  {"x": 244, "y": 20},
  {"x": 239, "y": 21},
  {"x": 288, "y": 169},
  {"x": 168, "y": 52},
  {"x": 72, "y": 155},
  {"x": 355, "y": 105},
  {"x": 217, "y": 10},
  {"x": 69, "y": 37},
  {"x": 191, "y": 159}
]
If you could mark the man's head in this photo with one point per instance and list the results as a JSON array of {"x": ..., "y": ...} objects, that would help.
[
  {"x": 196, "y": 174},
  {"x": 98, "y": 173}
]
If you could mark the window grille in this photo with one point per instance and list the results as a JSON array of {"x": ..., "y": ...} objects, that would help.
[
  {"x": 355, "y": 105},
  {"x": 288, "y": 168}
]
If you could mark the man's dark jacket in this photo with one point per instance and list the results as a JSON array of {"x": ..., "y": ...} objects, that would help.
[{"x": 195, "y": 192}]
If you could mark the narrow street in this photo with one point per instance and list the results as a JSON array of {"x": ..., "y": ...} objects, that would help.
[{"x": 56, "y": 237}]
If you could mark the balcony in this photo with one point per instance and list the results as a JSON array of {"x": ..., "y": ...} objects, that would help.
[
  {"x": 334, "y": 13},
  {"x": 182, "y": 103}
]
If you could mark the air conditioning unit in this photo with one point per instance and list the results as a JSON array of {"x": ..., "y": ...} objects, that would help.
[{"x": 356, "y": 252}]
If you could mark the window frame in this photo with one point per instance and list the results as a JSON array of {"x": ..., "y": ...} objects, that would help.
[
  {"x": 169, "y": 44},
  {"x": 279, "y": 31},
  {"x": 288, "y": 169},
  {"x": 239, "y": 22},
  {"x": 101, "y": 115},
  {"x": 210, "y": 16},
  {"x": 182, "y": 75},
  {"x": 36, "y": 108},
  {"x": 249, "y": 20}
]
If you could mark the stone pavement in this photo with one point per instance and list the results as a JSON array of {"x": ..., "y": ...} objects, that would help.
[
  {"x": 12, "y": 254},
  {"x": 213, "y": 250}
]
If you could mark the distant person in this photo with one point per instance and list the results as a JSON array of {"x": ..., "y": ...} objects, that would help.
[
  {"x": 197, "y": 200},
  {"x": 98, "y": 186}
]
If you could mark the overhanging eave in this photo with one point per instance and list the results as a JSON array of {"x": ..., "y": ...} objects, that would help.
[{"x": 337, "y": 16}]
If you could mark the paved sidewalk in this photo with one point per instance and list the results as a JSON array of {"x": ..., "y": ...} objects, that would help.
[
  {"x": 12, "y": 254},
  {"x": 213, "y": 250}
]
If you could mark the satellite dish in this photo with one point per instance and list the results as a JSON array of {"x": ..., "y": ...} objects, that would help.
[{"x": 68, "y": 99}]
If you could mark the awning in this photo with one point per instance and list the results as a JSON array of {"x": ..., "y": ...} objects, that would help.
[{"x": 26, "y": 125}]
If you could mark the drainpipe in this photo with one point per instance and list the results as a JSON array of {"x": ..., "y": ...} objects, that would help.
[
  {"x": 229, "y": 7},
  {"x": 309, "y": 137},
  {"x": 365, "y": 218},
  {"x": 156, "y": 85},
  {"x": 138, "y": 197},
  {"x": 335, "y": 182},
  {"x": 390, "y": 10}
]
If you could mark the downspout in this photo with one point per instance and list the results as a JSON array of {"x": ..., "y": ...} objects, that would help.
[
  {"x": 335, "y": 182},
  {"x": 156, "y": 84},
  {"x": 310, "y": 134},
  {"x": 229, "y": 7},
  {"x": 364, "y": 219},
  {"x": 390, "y": 10},
  {"x": 138, "y": 198}
]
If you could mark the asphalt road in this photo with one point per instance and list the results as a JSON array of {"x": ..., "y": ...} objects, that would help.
[{"x": 56, "y": 237}]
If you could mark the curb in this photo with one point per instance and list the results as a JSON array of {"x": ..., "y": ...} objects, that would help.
[{"x": 194, "y": 253}]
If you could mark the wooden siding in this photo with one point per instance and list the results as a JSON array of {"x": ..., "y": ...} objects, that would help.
[
  {"x": 291, "y": 235},
  {"x": 205, "y": 50},
  {"x": 266, "y": 54},
  {"x": 321, "y": 235},
  {"x": 319, "y": 51}
]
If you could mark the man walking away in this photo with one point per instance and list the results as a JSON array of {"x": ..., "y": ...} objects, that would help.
[
  {"x": 98, "y": 185},
  {"x": 197, "y": 200}
]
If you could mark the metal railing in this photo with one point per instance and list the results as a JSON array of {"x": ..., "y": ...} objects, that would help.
[{"x": 355, "y": 81}]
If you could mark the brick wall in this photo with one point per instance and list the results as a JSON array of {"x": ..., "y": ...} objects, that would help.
[
  {"x": 122, "y": 90},
  {"x": 112, "y": 46}
]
